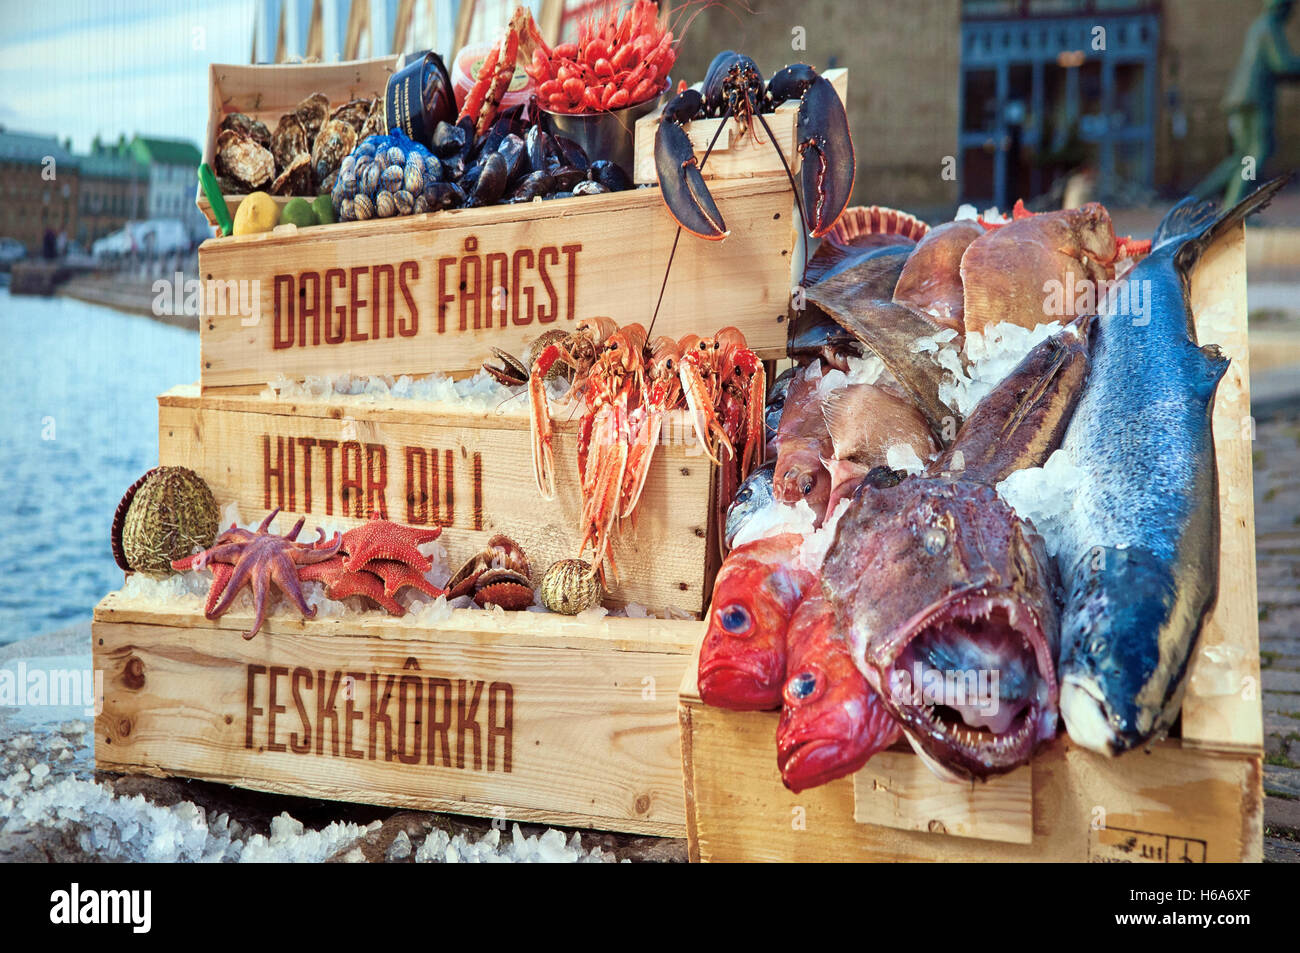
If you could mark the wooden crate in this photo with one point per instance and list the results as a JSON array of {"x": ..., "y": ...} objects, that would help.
[
  {"x": 1196, "y": 797},
  {"x": 268, "y": 91},
  {"x": 471, "y": 473},
  {"x": 304, "y": 302},
  {"x": 736, "y": 155},
  {"x": 516, "y": 716}
]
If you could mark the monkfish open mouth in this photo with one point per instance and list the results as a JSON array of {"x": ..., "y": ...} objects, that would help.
[{"x": 974, "y": 684}]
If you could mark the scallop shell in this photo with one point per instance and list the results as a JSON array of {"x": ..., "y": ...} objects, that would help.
[
  {"x": 171, "y": 515},
  {"x": 336, "y": 140},
  {"x": 395, "y": 155},
  {"x": 405, "y": 202},
  {"x": 363, "y": 207},
  {"x": 385, "y": 205},
  {"x": 857, "y": 223},
  {"x": 368, "y": 180},
  {"x": 347, "y": 210},
  {"x": 119, "y": 520},
  {"x": 248, "y": 163},
  {"x": 297, "y": 178},
  {"x": 246, "y": 125},
  {"x": 312, "y": 113},
  {"x": 289, "y": 141},
  {"x": 569, "y": 587}
]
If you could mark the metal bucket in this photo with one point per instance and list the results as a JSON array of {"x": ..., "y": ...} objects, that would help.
[
  {"x": 603, "y": 135},
  {"x": 418, "y": 97}
]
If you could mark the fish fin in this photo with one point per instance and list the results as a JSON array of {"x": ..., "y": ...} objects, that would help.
[
  {"x": 1187, "y": 217},
  {"x": 840, "y": 411},
  {"x": 1216, "y": 365},
  {"x": 1205, "y": 230}
]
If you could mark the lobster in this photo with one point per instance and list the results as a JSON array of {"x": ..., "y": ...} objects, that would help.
[{"x": 733, "y": 88}]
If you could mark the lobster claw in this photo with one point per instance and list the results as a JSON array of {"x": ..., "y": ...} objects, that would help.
[
  {"x": 685, "y": 193},
  {"x": 826, "y": 156}
]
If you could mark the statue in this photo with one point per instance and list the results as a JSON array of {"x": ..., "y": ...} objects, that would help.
[{"x": 1251, "y": 99}]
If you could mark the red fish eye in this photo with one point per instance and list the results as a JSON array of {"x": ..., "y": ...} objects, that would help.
[{"x": 735, "y": 619}]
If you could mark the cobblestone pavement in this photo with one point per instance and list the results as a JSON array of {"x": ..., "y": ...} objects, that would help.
[{"x": 1277, "y": 547}]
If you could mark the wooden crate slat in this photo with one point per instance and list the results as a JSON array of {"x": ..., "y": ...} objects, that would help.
[
  {"x": 268, "y": 91},
  {"x": 896, "y": 789},
  {"x": 1222, "y": 707},
  {"x": 574, "y": 258},
  {"x": 588, "y": 729},
  {"x": 256, "y": 452}
]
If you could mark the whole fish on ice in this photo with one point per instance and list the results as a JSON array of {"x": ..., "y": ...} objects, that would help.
[{"x": 1141, "y": 546}]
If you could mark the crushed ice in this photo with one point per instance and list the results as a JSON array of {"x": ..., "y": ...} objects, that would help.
[{"x": 1045, "y": 496}]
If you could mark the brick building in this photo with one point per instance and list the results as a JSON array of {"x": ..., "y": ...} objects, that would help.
[
  {"x": 38, "y": 188},
  {"x": 114, "y": 190},
  {"x": 1010, "y": 94}
]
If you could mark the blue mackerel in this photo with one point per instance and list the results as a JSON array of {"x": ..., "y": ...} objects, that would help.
[{"x": 1140, "y": 554}]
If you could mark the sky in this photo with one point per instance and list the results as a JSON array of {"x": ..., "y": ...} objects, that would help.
[{"x": 81, "y": 68}]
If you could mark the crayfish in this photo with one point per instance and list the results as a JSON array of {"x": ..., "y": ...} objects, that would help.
[
  {"x": 734, "y": 87},
  {"x": 628, "y": 384}
]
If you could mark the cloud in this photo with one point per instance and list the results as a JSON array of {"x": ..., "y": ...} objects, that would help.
[{"x": 123, "y": 67}]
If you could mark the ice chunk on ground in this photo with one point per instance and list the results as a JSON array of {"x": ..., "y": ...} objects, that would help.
[{"x": 901, "y": 456}]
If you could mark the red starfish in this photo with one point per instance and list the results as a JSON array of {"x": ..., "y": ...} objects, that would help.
[
  {"x": 341, "y": 582},
  {"x": 258, "y": 559},
  {"x": 397, "y": 575},
  {"x": 384, "y": 539},
  {"x": 220, "y": 578}
]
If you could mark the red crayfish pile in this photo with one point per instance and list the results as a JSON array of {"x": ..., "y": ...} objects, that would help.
[{"x": 614, "y": 64}]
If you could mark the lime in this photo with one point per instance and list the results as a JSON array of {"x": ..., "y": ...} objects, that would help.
[
  {"x": 298, "y": 212},
  {"x": 257, "y": 213},
  {"x": 323, "y": 206}
]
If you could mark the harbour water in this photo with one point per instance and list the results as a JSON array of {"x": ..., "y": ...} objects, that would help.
[{"x": 80, "y": 424}]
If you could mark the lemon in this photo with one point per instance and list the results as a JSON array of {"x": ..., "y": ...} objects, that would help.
[
  {"x": 298, "y": 212},
  {"x": 257, "y": 213}
]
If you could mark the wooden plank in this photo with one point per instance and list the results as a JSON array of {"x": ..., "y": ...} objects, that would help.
[
  {"x": 577, "y": 734},
  {"x": 896, "y": 789},
  {"x": 736, "y": 155},
  {"x": 1086, "y": 807},
  {"x": 341, "y": 463},
  {"x": 268, "y": 91},
  {"x": 1222, "y": 706},
  {"x": 465, "y": 627},
  {"x": 275, "y": 301}
]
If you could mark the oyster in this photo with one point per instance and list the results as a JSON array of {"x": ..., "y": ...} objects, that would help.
[
  {"x": 242, "y": 159},
  {"x": 375, "y": 124},
  {"x": 312, "y": 113},
  {"x": 335, "y": 141},
  {"x": 297, "y": 177},
  {"x": 354, "y": 113},
  {"x": 246, "y": 125},
  {"x": 289, "y": 140}
]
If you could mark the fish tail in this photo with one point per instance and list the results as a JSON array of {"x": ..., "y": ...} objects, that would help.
[{"x": 1198, "y": 225}]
